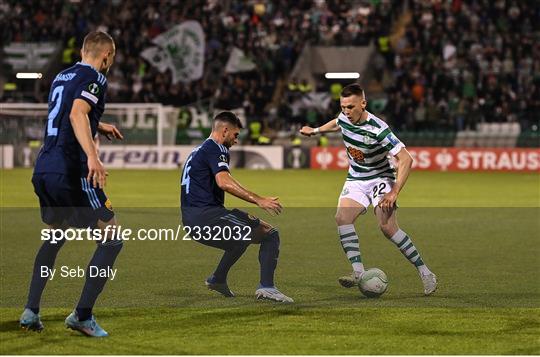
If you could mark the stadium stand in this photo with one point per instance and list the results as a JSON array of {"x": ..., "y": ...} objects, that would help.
[
  {"x": 429, "y": 75},
  {"x": 272, "y": 34},
  {"x": 465, "y": 63}
]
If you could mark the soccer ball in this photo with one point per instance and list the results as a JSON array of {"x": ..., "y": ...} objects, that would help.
[{"x": 373, "y": 283}]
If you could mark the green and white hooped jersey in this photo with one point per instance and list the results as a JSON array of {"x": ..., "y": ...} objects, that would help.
[{"x": 368, "y": 145}]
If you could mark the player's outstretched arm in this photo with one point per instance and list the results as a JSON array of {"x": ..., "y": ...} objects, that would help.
[
  {"x": 81, "y": 128},
  {"x": 109, "y": 131},
  {"x": 329, "y": 127},
  {"x": 229, "y": 184},
  {"x": 404, "y": 164}
]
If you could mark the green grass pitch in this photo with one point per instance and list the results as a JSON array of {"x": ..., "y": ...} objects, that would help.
[{"x": 480, "y": 233}]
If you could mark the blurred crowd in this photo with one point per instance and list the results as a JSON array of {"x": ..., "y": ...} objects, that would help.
[
  {"x": 458, "y": 62},
  {"x": 465, "y": 62},
  {"x": 271, "y": 33}
]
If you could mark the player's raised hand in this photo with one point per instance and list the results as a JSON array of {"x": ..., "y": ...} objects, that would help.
[
  {"x": 97, "y": 176},
  {"x": 110, "y": 131},
  {"x": 270, "y": 205},
  {"x": 307, "y": 131}
]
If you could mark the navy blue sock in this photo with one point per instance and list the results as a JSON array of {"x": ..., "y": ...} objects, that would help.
[
  {"x": 103, "y": 258},
  {"x": 230, "y": 257},
  {"x": 268, "y": 256},
  {"x": 84, "y": 314},
  {"x": 44, "y": 258}
]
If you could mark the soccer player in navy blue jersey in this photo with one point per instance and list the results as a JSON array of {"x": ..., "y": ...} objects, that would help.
[
  {"x": 69, "y": 178},
  {"x": 205, "y": 179}
]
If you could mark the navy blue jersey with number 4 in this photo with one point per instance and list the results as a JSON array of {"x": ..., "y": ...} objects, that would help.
[
  {"x": 199, "y": 187},
  {"x": 61, "y": 152}
]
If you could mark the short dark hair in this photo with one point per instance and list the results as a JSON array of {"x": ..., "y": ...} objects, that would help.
[
  {"x": 229, "y": 118},
  {"x": 94, "y": 41},
  {"x": 352, "y": 89}
]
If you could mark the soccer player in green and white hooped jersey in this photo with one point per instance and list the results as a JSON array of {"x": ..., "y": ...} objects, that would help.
[{"x": 371, "y": 181}]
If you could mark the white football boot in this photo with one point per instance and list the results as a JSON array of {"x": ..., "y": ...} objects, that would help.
[
  {"x": 272, "y": 294},
  {"x": 430, "y": 283}
]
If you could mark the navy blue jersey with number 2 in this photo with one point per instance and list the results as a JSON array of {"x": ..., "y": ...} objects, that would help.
[{"x": 61, "y": 152}]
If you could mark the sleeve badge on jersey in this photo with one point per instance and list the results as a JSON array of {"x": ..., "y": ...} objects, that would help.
[
  {"x": 223, "y": 158},
  {"x": 392, "y": 139},
  {"x": 108, "y": 204},
  {"x": 355, "y": 154},
  {"x": 93, "y": 88}
]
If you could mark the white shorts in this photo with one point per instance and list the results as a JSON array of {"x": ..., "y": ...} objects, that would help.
[{"x": 367, "y": 192}]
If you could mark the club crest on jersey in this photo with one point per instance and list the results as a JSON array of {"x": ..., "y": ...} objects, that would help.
[
  {"x": 356, "y": 155},
  {"x": 368, "y": 141},
  {"x": 93, "y": 88}
]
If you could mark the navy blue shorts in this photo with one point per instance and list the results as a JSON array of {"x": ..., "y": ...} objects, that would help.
[
  {"x": 219, "y": 227},
  {"x": 70, "y": 200}
]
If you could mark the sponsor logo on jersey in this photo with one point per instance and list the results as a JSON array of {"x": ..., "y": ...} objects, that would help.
[
  {"x": 65, "y": 77},
  {"x": 392, "y": 139},
  {"x": 356, "y": 155}
]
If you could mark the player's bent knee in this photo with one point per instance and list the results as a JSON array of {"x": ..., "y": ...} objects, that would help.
[
  {"x": 271, "y": 241},
  {"x": 108, "y": 230},
  {"x": 263, "y": 232},
  {"x": 342, "y": 218},
  {"x": 348, "y": 214},
  {"x": 273, "y": 235},
  {"x": 115, "y": 245},
  {"x": 104, "y": 224}
]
